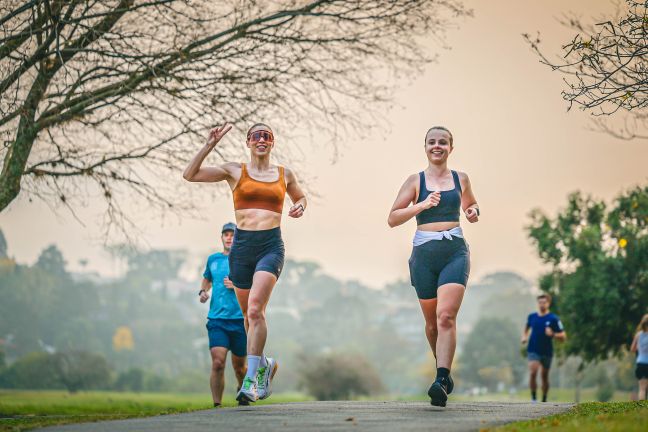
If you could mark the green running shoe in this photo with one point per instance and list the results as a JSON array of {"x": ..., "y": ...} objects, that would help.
[
  {"x": 264, "y": 378},
  {"x": 248, "y": 391}
]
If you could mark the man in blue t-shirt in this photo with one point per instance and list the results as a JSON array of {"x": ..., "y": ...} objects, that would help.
[
  {"x": 544, "y": 327},
  {"x": 225, "y": 325}
]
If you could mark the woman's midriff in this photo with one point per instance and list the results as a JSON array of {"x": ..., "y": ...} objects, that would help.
[
  {"x": 437, "y": 226},
  {"x": 257, "y": 219}
]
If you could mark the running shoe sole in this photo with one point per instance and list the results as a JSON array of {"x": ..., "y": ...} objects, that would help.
[
  {"x": 268, "y": 392},
  {"x": 242, "y": 398},
  {"x": 438, "y": 396}
]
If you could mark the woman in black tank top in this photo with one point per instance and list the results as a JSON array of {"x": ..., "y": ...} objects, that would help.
[{"x": 440, "y": 261}]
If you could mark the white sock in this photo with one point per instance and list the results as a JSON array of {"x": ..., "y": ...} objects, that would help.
[
  {"x": 252, "y": 366},
  {"x": 264, "y": 361}
]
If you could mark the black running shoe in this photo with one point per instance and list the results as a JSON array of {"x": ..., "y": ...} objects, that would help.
[
  {"x": 438, "y": 393},
  {"x": 244, "y": 402},
  {"x": 450, "y": 384}
]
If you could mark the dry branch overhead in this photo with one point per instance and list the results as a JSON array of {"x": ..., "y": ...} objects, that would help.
[
  {"x": 605, "y": 68},
  {"x": 111, "y": 96}
]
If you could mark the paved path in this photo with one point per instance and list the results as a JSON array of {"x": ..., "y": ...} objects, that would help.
[{"x": 333, "y": 416}]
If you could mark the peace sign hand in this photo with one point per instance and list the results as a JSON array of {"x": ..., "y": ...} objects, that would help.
[{"x": 217, "y": 133}]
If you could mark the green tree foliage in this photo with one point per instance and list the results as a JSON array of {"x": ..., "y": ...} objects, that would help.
[
  {"x": 498, "y": 294},
  {"x": 599, "y": 269},
  {"x": 44, "y": 305},
  {"x": 490, "y": 354},
  {"x": 339, "y": 377},
  {"x": 51, "y": 261}
]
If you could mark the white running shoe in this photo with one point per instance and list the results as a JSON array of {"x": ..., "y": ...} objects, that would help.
[
  {"x": 248, "y": 391},
  {"x": 265, "y": 376}
]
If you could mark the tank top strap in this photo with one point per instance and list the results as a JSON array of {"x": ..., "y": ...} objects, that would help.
[
  {"x": 244, "y": 172},
  {"x": 282, "y": 174},
  {"x": 457, "y": 183},
  {"x": 422, "y": 187}
]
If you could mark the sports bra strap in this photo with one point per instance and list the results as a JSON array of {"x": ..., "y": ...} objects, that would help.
[
  {"x": 422, "y": 187},
  {"x": 457, "y": 183}
]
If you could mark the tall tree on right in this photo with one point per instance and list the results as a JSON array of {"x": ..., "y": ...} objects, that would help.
[
  {"x": 598, "y": 275},
  {"x": 605, "y": 68}
]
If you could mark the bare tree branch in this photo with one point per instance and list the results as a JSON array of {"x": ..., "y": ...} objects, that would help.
[
  {"x": 606, "y": 69},
  {"x": 104, "y": 97}
]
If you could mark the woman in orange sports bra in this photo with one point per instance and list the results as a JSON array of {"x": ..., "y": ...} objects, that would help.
[{"x": 257, "y": 254}]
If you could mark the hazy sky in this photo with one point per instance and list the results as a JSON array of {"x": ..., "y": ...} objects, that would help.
[{"x": 512, "y": 136}]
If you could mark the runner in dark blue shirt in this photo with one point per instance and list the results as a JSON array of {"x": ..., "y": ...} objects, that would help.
[
  {"x": 225, "y": 325},
  {"x": 544, "y": 327}
]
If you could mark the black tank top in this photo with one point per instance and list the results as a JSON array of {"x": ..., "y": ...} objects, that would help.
[{"x": 448, "y": 208}]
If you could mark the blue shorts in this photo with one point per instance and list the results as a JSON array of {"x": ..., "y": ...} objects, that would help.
[
  {"x": 439, "y": 262},
  {"x": 228, "y": 333},
  {"x": 254, "y": 251},
  {"x": 545, "y": 360}
]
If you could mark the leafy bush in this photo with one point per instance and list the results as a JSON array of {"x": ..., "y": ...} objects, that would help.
[
  {"x": 339, "y": 377},
  {"x": 73, "y": 370},
  {"x": 605, "y": 389},
  {"x": 81, "y": 370},
  {"x": 37, "y": 370},
  {"x": 130, "y": 380}
]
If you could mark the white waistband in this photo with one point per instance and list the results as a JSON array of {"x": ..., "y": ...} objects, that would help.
[{"x": 425, "y": 236}]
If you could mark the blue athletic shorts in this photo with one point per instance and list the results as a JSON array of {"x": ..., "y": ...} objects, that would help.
[
  {"x": 545, "y": 360},
  {"x": 228, "y": 333},
  {"x": 439, "y": 262},
  {"x": 254, "y": 251}
]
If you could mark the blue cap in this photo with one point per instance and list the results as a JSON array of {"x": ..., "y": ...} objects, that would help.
[{"x": 229, "y": 226}]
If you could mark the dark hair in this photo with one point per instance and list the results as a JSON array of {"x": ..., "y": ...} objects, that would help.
[
  {"x": 544, "y": 296},
  {"x": 256, "y": 125},
  {"x": 443, "y": 128}
]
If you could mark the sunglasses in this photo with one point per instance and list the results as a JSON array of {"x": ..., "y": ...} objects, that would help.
[{"x": 256, "y": 136}]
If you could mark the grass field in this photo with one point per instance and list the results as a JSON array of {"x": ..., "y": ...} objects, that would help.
[
  {"x": 591, "y": 416},
  {"x": 555, "y": 395},
  {"x": 23, "y": 410}
]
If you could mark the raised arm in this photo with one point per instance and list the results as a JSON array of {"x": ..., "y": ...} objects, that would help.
[
  {"x": 195, "y": 172},
  {"x": 468, "y": 200},
  {"x": 402, "y": 211},
  {"x": 296, "y": 194}
]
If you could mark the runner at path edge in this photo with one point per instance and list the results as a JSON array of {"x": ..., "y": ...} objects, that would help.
[
  {"x": 544, "y": 327},
  {"x": 640, "y": 346},
  {"x": 257, "y": 254},
  {"x": 440, "y": 260}
]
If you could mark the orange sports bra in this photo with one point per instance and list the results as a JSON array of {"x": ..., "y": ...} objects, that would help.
[{"x": 254, "y": 194}]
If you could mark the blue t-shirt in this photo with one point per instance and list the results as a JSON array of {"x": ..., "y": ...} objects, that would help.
[
  {"x": 223, "y": 303},
  {"x": 539, "y": 342}
]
